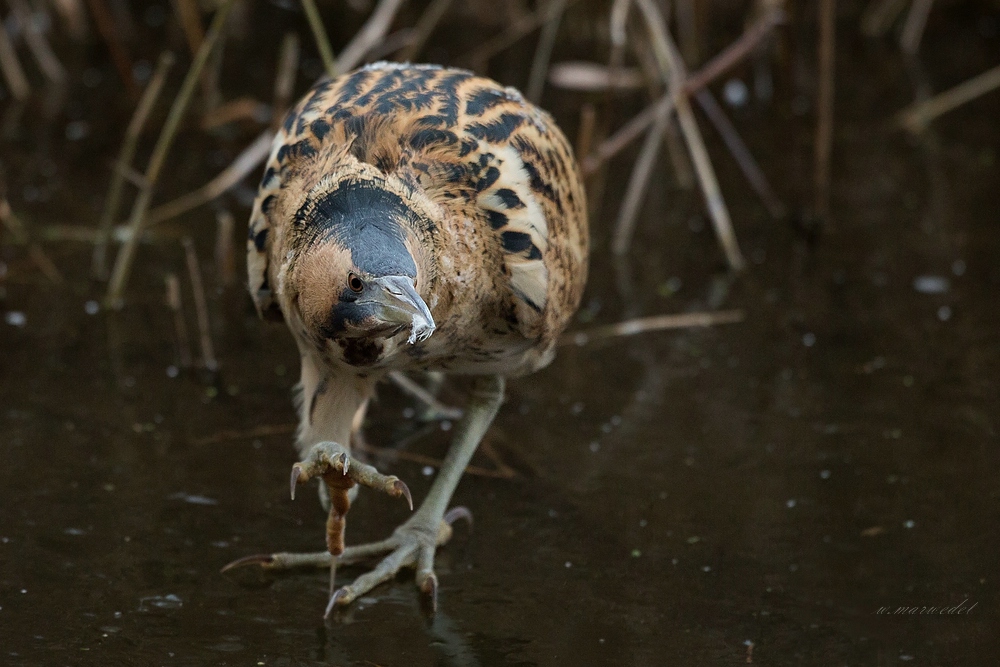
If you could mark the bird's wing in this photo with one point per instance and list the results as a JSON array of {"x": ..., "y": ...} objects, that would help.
[
  {"x": 259, "y": 278},
  {"x": 470, "y": 145}
]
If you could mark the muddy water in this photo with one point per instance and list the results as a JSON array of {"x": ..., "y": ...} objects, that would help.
[{"x": 675, "y": 497}]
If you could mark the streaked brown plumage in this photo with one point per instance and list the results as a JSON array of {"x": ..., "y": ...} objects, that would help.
[{"x": 414, "y": 218}]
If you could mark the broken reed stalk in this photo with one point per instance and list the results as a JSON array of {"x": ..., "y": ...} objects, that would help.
[
  {"x": 284, "y": 80},
  {"x": 913, "y": 28},
  {"x": 425, "y": 397},
  {"x": 653, "y": 323},
  {"x": 433, "y": 382},
  {"x": 593, "y": 78},
  {"x": 744, "y": 158},
  {"x": 543, "y": 52},
  {"x": 74, "y": 18},
  {"x": 130, "y": 174},
  {"x": 673, "y": 71},
  {"x": 710, "y": 187},
  {"x": 244, "y": 163},
  {"x": 37, "y": 44},
  {"x": 392, "y": 43},
  {"x": 617, "y": 21},
  {"x": 626, "y": 134},
  {"x": 20, "y": 233},
  {"x": 679, "y": 161},
  {"x": 211, "y": 77},
  {"x": 174, "y": 301},
  {"x": 637, "y": 184},
  {"x": 504, "y": 472},
  {"x": 225, "y": 258},
  {"x": 618, "y": 34},
  {"x": 585, "y": 131},
  {"x": 371, "y": 33},
  {"x": 878, "y": 17},
  {"x": 124, "y": 163},
  {"x": 242, "y": 108},
  {"x": 425, "y": 26},
  {"x": 916, "y": 116},
  {"x": 13, "y": 73},
  {"x": 189, "y": 16},
  {"x": 123, "y": 262},
  {"x": 208, "y": 359},
  {"x": 255, "y": 432},
  {"x": 88, "y": 235},
  {"x": 676, "y": 151},
  {"x": 321, "y": 38},
  {"x": 735, "y": 53},
  {"x": 522, "y": 27},
  {"x": 727, "y": 58},
  {"x": 687, "y": 29},
  {"x": 595, "y": 181},
  {"x": 824, "y": 104},
  {"x": 44, "y": 264},
  {"x": 105, "y": 22}
]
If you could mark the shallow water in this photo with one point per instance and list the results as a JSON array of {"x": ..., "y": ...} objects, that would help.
[{"x": 676, "y": 495}]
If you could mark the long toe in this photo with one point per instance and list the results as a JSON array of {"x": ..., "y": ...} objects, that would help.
[
  {"x": 413, "y": 544},
  {"x": 283, "y": 561},
  {"x": 402, "y": 556}
]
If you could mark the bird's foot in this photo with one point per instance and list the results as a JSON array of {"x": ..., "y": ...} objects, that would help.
[
  {"x": 333, "y": 464},
  {"x": 412, "y": 544}
]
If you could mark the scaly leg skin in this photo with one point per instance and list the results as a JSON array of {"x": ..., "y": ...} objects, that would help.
[{"x": 414, "y": 543}]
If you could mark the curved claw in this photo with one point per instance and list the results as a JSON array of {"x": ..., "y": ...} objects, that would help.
[
  {"x": 345, "y": 462},
  {"x": 400, "y": 488},
  {"x": 338, "y": 595},
  {"x": 430, "y": 590},
  {"x": 264, "y": 560},
  {"x": 456, "y": 513},
  {"x": 296, "y": 473}
]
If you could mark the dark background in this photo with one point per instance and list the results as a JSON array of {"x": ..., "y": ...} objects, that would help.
[{"x": 677, "y": 494}]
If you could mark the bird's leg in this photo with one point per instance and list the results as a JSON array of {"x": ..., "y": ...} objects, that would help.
[
  {"x": 415, "y": 542},
  {"x": 431, "y": 408},
  {"x": 435, "y": 380},
  {"x": 331, "y": 411}
]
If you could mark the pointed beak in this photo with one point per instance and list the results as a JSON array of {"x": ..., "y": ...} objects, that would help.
[{"x": 400, "y": 304}]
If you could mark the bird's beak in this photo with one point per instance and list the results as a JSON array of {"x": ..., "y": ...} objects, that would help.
[{"x": 398, "y": 303}]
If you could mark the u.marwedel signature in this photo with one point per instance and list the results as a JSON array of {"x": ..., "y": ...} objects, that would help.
[{"x": 961, "y": 608}]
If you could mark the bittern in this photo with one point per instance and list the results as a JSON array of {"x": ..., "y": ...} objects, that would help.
[{"x": 411, "y": 218}]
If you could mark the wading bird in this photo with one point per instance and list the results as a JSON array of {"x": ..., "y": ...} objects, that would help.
[{"x": 411, "y": 218}]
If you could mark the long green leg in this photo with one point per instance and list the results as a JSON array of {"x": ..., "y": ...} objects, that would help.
[{"x": 414, "y": 543}]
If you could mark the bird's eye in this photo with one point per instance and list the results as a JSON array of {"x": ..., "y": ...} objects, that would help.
[{"x": 355, "y": 283}]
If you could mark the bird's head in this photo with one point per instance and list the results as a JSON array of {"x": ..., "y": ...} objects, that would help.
[{"x": 355, "y": 267}]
